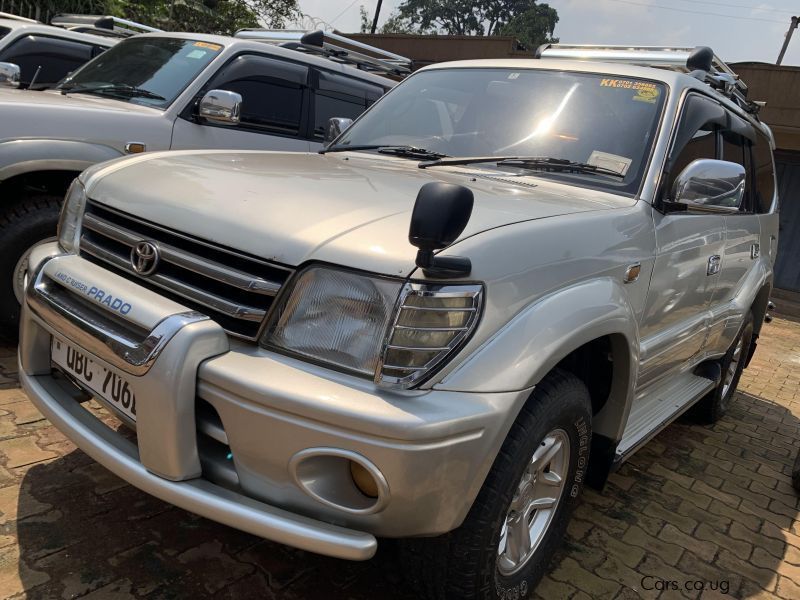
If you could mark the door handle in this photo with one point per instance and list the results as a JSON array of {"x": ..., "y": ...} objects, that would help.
[
  {"x": 714, "y": 263},
  {"x": 755, "y": 251}
]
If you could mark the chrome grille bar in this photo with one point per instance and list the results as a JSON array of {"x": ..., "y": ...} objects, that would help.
[
  {"x": 232, "y": 288},
  {"x": 180, "y": 288},
  {"x": 169, "y": 253}
]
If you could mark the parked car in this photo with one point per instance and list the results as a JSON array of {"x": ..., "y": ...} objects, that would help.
[
  {"x": 44, "y": 52},
  {"x": 163, "y": 91},
  {"x": 501, "y": 269}
]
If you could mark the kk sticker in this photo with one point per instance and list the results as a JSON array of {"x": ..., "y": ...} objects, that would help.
[
  {"x": 644, "y": 90},
  {"x": 213, "y": 47}
]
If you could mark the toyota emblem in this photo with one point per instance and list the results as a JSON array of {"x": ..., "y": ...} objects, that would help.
[{"x": 145, "y": 257}]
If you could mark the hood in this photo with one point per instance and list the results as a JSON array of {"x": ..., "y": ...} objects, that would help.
[
  {"x": 349, "y": 209},
  {"x": 51, "y": 115}
]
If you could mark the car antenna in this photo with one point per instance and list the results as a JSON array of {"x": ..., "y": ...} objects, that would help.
[{"x": 35, "y": 76}]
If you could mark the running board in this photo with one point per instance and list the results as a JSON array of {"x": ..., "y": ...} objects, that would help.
[{"x": 657, "y": 408}]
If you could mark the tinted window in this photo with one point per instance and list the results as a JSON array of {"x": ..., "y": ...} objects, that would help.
[
  {"x": 339, "y": 96},
  {"x": 589, "y": 118},
  {"x": 4, "y": 31},
  {"x": 703, "y": 144},
  {"x": 764, "y": 170},
  {"x": 161, "y": 66},
  {"x": 57, "y": 57},
  {"x": 272, "y": 91}
]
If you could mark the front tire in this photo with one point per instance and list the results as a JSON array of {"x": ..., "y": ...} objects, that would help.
[
  {"x": 22, "y": 226},
  {"x": 505, "y": 544}
]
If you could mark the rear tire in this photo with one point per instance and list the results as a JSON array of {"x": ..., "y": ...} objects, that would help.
[
  {"x": 22, "y": 226},
  {"x": 529, "y": 494},
  {"x": 713, "y": 406}
]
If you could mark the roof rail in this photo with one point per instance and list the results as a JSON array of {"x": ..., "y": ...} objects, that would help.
[
  {"x": 700, "y": 62},
  {"x": 317, "y": 42},
  {"x": 5, "y": 15},
  {"x": 101, "y": 25}
]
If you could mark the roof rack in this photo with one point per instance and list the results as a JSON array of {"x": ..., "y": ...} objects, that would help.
[
  {"x": 317, "y": 42},
  {"x": 101, "y": 25},
  {"x": 700, "y": 62},
  {"x": 5, "y": 15}
]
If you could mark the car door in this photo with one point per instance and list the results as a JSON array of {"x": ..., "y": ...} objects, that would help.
[
  {"x": 742, "y": 239},
  {"x": 274, "y": 113},
  {"x": 765, "y": 192},
  {"x": 688, "y": 251}
]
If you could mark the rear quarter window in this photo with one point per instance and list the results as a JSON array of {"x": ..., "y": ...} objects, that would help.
[{"x": 4, "y": 31}]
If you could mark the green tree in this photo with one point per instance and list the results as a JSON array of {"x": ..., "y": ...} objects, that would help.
[
  {"x": 529, "y": 21},
  {"x": 211, "y": 16},
  {"x": 366, "y": 24}
]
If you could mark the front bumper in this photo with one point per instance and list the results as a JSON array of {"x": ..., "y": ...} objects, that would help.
[{"x": 288, "y": 427}]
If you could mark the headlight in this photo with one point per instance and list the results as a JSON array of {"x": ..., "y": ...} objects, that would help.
[
  {"x": 69, "y": 224},
  {"x": 431, "y": 323},
  {"x": 388, "y": 330},
  {"x": 335, "y": 317}
]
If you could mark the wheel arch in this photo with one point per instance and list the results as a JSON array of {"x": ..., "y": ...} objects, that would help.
[
  {"x": 21, "y": 157},
  {"x": 602, "y": 350}
]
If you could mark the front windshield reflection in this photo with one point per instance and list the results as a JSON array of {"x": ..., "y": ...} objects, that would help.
[
  {"x": 159, "y": 67},
  {"x": 587, "y": 118}
]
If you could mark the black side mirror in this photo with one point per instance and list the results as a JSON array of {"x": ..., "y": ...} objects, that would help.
[{"x": 441, "y": 213}]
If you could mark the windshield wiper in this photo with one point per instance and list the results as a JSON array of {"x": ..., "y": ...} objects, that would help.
[
  {"x": 114, "y": 88},
  {"x": 403, "y": 150},
  {"x": 544, "y": 163}
]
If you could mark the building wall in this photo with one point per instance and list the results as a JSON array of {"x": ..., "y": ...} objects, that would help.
[
  {"x": 424, "y": 50},
  {"x": 779, "y": 87}
]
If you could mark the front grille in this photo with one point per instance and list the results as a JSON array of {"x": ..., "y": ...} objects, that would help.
[{"x": 233, "y": 289}]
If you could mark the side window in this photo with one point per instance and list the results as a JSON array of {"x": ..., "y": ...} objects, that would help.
[
  {"x": 736, "y": 149},
  {"x": 764, "y": 170},
  {"x": 340, "y": 96},
  {"x": 56, "y": 56},
  {"x": 272, "y": 92},
  {"x": 696, "y": 137}
]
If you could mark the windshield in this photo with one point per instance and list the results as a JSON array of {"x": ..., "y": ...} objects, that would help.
[
  {"x": 158, "y": 68},
  {"x": 587, "y": 118}
]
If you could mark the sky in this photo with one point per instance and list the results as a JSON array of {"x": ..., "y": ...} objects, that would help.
[{"x": 737, "y": 30}]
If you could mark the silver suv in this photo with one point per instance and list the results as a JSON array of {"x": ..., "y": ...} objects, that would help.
[
  {"x": 163, "y": 91},
  {"x": 495, "y": 286}
]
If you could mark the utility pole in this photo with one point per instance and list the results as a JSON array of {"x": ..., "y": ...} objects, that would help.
[
  {"x": 789, "y": 33},
  {"x": 378, "y": 12}
]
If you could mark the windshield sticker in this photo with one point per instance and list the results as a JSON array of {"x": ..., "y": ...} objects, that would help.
[
  {"x": 645, "y": 91},
  {"x": 197, "y": 54},
  {"x": 606, "y": 160},
  {"x": 214, "y": 47}
]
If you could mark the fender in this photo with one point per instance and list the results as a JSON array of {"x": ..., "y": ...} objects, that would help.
[
  {"x": 521, "y": 353},
  {"x": 30, "y": 155}
]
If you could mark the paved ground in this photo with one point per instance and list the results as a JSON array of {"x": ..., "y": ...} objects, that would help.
[{"x": 698, "y": 506}]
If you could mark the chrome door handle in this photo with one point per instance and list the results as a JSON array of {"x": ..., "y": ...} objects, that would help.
[
  {"x": 714, "y": 263},
  {"x": 755, "y": 251}
]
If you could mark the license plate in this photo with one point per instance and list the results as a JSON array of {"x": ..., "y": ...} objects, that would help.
[{"x": 115, "y": 389}]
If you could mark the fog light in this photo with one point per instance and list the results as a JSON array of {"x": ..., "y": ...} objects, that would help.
[{"x": 364, "y": 480}]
